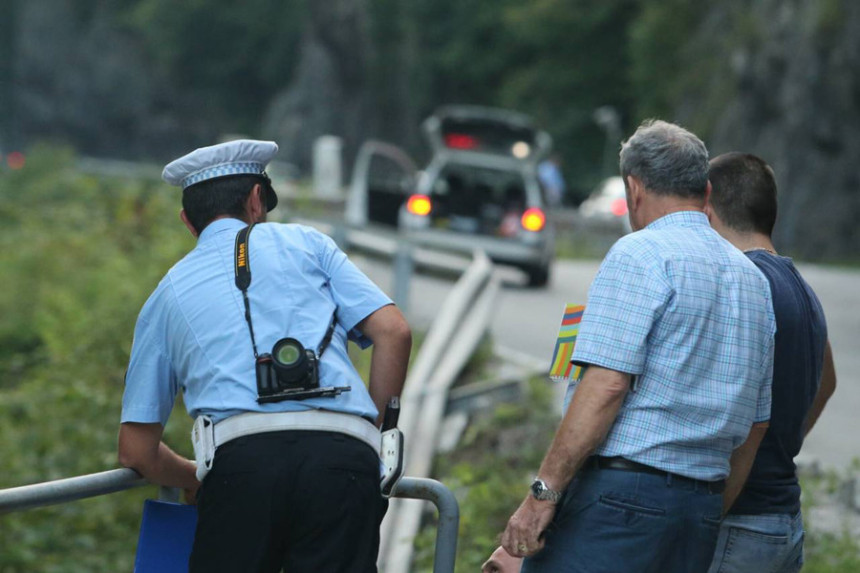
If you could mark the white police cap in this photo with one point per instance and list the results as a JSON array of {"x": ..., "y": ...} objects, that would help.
[{"x": 240, "y": 157}]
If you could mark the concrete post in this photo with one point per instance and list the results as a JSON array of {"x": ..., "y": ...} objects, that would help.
[
  {"x": 327, "y": 167},
  {"x": 403, "y": 267}
]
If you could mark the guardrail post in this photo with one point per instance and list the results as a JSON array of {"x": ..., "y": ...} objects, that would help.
[
  {"x": 403, "y": 267},
  {"x": 449, "y": 517}
]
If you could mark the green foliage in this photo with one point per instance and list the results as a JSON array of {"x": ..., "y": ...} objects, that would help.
[
  {"x": 659, "y": 39},
  {"x": 231, "y": 57},
  {"x": 79, "y": 256},
  {"x": 490, "y": 473},
  {"x": 828, "y": 551},
  {"x": 830, "y": 18}
]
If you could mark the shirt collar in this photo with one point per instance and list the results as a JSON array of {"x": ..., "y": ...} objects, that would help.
[
  {"x": 218, "y": 226},
  {"x": 680, "y": 219}
]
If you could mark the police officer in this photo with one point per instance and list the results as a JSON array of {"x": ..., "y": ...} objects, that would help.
[{"x": 293, "y": 474}]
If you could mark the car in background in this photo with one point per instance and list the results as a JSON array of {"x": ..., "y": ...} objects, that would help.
[
  {"x": 606, "y": 207},
  {"x": 480, "y": 189}
]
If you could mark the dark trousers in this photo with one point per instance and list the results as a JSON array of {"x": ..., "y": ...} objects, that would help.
[
  {"x": 614, "y": 521},
  {"x": 298, "y": 500}
]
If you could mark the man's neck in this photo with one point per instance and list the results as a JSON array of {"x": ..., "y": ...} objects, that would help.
[
  {"x": 751, "y": 241},
  {"x": 660, "y": 206}
]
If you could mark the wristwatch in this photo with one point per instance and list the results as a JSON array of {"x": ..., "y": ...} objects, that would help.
[{"x": 541, "y": 492}]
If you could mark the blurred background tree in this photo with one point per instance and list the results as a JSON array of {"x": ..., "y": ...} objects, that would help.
[{"x": 149, "y": 79}]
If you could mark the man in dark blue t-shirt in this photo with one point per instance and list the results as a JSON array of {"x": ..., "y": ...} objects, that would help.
[{"x": 763, "y": 530}]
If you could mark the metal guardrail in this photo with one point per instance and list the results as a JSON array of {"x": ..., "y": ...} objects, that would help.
[
  {"x": 69, "y": 489},
  {"x": 452, "y": 339},
  {"x": 55, "y": 492}
]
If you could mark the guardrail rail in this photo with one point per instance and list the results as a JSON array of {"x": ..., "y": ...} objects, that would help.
[{"x": 66, "y": 490}]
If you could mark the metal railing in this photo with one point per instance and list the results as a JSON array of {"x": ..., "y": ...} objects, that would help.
[
  {"x": 92, "y": 485},
  {"x": 454, "y": 335},
  {"x": 452, "y": 339}
]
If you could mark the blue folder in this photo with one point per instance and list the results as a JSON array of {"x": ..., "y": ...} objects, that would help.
[{"x": 166, "y": 536}]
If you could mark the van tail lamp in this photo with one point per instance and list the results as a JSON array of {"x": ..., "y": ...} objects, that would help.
[
  {"x": 533, "y": 219},
  {"x": 419, "y": 205},
  {"x": 619, "y": 207}
]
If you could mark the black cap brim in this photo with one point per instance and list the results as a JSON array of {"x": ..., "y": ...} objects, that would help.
[{"x": 271, "y": 198}]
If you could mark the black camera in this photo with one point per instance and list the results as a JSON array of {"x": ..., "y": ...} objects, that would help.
[{"x": 290, "y": 372}]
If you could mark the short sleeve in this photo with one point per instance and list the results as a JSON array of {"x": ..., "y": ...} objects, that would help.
[
  {"x": 356, "y": 296},
  {"x": 150, "y": 384},
  {"x": 625, "y": 300}
]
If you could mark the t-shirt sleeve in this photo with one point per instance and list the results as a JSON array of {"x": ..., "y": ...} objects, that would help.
[
  {"x": 627, "y": 297},
  {"x": 150, "y": 383},
  {"x": 356, "y": 296}
]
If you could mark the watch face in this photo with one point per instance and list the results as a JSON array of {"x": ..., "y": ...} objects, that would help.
[{"x": 541, "y": 492}]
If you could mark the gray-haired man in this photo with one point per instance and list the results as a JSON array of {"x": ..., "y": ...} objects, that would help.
[{"x": 677, "y": 336}]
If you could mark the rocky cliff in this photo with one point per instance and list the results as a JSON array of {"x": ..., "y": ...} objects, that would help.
[{"x": 785, "y": 85}]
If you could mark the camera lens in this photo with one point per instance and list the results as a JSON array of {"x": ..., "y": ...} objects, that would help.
[
  {"x": 288, "y": 354},
  {"x": 290, "y": 360}
]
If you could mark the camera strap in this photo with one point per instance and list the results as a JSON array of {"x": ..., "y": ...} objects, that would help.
[
  {"x": 243, "y": 276},
  {"x": 242, "y": 267}
]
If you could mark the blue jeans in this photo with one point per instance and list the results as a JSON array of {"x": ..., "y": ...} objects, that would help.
[
  {"x": 770, "y": 543},
  {"x": 614, "y": 521}
]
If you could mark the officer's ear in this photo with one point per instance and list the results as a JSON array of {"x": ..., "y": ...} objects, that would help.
[
  {"x": 188, "y": 224},
  {"x": 255, "y": 205}
]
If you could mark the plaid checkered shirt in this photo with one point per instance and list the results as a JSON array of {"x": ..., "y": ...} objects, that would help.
[{"x": 690, "y": 317}]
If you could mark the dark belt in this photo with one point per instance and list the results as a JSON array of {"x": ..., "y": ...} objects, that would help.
[{"x": 623, "y": 464}]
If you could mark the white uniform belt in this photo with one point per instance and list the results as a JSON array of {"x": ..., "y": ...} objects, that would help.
[{"x": 318, "y": 420}]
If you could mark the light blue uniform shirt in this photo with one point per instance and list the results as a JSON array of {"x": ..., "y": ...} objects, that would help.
[
  {"x": 191, "y": 334},
  {"x": 690, "y": 316}
]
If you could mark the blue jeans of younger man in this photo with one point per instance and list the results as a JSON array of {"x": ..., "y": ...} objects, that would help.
[
  {"x": 614, "y": 521},
  {"x": 770, "y": 543}
]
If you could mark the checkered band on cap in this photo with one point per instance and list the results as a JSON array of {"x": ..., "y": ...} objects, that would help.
[{"x": 243, "y": 168}]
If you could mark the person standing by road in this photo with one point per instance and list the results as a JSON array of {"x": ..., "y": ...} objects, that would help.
[
  {"x": 290, "y": 437},
  {"x": 550, "y": 176},
  {"x": 763, "y": 530},
  {"x": 677, "y": 338}
]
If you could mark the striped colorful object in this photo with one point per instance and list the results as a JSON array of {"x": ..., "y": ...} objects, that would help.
[{"x": 561, "y": 369}]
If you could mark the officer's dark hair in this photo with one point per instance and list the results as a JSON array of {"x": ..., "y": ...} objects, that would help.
[
  {"x": 215, "y": 197},
  {"x": 743, "y": 192},
  {"x": 668, "y": 159}
]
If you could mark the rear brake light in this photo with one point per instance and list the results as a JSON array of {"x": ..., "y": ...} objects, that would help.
[
  {"x": 619, "y": 207},
  {"x": 533, "y": 219},
  {"x": 419, "y": 205},
  {"x": 460, "y": 141}
]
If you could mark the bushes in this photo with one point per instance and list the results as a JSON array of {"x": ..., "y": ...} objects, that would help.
[{"x": 79, "y": 256}]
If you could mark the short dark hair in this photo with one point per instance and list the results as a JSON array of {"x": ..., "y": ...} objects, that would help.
[
  {"x": 668, "y": 159},
  {"x": 215, "y": 197},
  {"x": 743, "y": 192}
]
